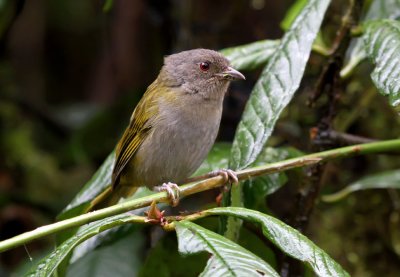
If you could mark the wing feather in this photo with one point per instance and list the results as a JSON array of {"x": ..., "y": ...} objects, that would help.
[{"x": 139, "y": 128}]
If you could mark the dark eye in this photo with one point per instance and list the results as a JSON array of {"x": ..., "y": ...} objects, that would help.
[{"x": 204, "y": 66}]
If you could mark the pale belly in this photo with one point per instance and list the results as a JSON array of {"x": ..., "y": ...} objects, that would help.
[{"x": 174, "y": 150}]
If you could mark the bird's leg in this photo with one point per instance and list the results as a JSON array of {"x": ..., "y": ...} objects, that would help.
[
  {"x": 229, "y": 176},
  {"x": 172, "y": 190}
]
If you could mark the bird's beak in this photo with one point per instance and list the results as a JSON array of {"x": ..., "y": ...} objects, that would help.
[{"x": 232, "y": 74}]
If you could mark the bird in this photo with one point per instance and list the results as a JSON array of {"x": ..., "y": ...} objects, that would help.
[{"x": 173, "y": 127}]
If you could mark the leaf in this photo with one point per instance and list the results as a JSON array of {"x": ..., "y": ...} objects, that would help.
[
  {"x": 164, "y": 254},
  {"x": 382, "y": 40},
  {"x": 292, "y": 13},
  {"x": 383, "y": 180},
  {"x": 255, "y": 190},
  {"x": 272, "y": 93},
  {"x": 50, "y": 263},
  {"x": 106, "y": 237},
  {"x": 100, "y": 180},
  {"x": 277, "y": 85},
  {"x": 227, "y": 258},
  {"x": 217, "y": 158},
  {"x": 379, "y": 9},
  {"x": 288, "y": 239},
  {"x": 250, "y": 56},
  {"x": 121, "y": 258}
]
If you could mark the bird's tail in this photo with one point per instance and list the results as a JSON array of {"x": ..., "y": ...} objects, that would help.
[{"x": 110, "y": 196}]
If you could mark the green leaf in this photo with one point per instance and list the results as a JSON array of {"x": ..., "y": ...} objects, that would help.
[
  {"x": 292, "y": 13},
  {"x": 121, "y": 258},
  {"x": 50, "y": 263},
  {"x": 227, "y": 258},
  {"x": 379, "y": 9},
  {"x": 255, "y": 190},
  {"x": 277, "y": 85},
  {"x": 288, "y": 239},
  {"x": 382, "y": 40},
  {"x": 250, "y": 56},
  {"x": 272, "y": 93},
  {"x": 217, "y": 158},
  {"x": 383, "y": 180},
  {"x": 164, "y": 260},
  {"x": 100, "y": 180}
]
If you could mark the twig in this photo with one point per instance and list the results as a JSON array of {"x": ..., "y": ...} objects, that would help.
[
  {"x": 218, "y": 181},
  {"x": 339, "y": 138}
]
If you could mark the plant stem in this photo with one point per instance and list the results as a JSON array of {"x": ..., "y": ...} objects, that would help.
[{"x": 192, "y": 188}]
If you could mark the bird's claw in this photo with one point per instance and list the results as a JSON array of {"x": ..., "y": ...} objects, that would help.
[
  {"x": 229, "y": 175},
  {"x": 172, "y": 190}
]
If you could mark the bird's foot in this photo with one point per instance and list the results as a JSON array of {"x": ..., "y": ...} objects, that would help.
[
  {"x": 154, "y": 215},
  {"x": 229, "y": 175},
  {"x": 172, "y": 190}
]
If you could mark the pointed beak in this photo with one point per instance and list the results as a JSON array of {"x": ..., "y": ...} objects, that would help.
[{"x": 232, "y": 74}]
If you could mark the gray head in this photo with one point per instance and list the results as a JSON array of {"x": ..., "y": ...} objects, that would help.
[{"x": 199, "y": 71}]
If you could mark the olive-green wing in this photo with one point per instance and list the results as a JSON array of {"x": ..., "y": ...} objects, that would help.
[{"x": 137, "y": 131}]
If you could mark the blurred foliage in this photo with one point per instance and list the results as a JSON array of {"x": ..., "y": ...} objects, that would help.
[{"x": 72, "y": 73}]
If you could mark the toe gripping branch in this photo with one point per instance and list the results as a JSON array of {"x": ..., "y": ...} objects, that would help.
[{"x": 173, "y": 192}]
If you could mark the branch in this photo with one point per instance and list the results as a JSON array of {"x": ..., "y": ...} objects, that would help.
[{"x": 211, "y": 183}]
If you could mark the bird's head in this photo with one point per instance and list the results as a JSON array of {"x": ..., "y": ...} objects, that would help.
[{"x": 199, "y": 71}]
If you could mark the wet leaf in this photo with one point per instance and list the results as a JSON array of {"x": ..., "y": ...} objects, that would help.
[
  {"x": 227, "y": 258},
  {"x": 379, "y": 9},
  {"x": 271, "y": 94},
  {"x": 288, "y": 239},
  {"x": 382, "y": 40}
]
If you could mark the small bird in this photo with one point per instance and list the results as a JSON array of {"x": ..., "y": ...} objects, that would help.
[{"x": 173, "y": 127}]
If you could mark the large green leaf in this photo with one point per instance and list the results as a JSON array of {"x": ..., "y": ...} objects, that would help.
[
  {"x": 256, "y": 189},
  {"x": 227, "y": 258},
  {"x": 382, "y": 40},
  {"x": 379, "y": 9},
  {"x": 164, "y": 254},
  {"x": 216, "y": 159},
  {"x": 276, "y": 85},
  {"x": 50, "y": 263},
  {"x": 99, "y": 181},
  {"x": 383, "y": 180},
  {"x": 292, "y": 13},
  {"x": 121, "y": 258},
  {"x": 288, "y": 239},
  {"x": 272, "y": 93},
  {"x": 250, "y": 56}
]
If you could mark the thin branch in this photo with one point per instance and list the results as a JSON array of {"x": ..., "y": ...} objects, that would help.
[{"x": 361, "y": 149}]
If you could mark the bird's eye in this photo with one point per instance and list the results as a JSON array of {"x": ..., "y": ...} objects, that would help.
[{"x": 204, "y": 66}]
